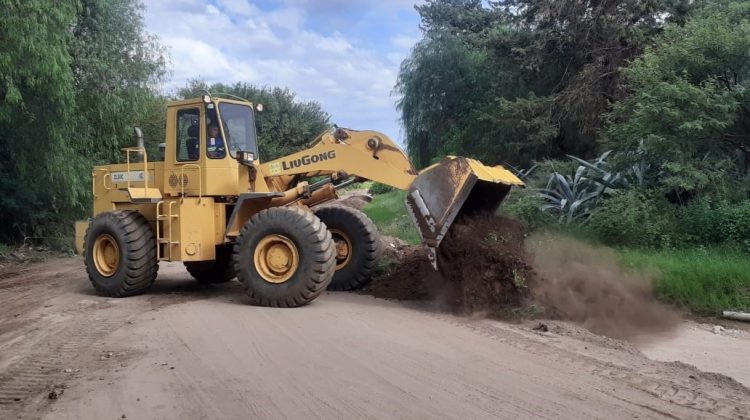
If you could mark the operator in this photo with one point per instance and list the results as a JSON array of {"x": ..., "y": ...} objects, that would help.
[{"x": 216, "y": 148}]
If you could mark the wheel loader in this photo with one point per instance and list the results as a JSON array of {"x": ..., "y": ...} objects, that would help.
[{"x": 210, "y": 203}]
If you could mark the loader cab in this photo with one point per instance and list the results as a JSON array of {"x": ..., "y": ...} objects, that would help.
[{"x": 204, "y": 136}]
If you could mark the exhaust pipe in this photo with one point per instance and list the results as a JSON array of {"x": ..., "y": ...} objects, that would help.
[{"x": 139, "y": 143}]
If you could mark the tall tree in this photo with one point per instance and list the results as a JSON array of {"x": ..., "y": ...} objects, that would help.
[
  {"x": 552, "y": 70},
  {"x": 72, "y": 76},
  {"x": 689, "y": 112}
]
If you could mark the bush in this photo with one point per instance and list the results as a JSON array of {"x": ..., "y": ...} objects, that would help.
[
  {"x": 634, "y": 218},
  {"x": 524, "y": 205},
  {"x": 378, "y": 188},
  {"x": 704, "y": 223}
]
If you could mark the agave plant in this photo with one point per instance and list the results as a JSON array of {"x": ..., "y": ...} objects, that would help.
[{"x": 573, "y": 198}]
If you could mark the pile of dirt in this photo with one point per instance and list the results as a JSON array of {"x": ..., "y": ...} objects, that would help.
[
  {"x": 355, "y": 200},
  {"x": 487, "y": 267},
  {"x": 482, "y": 268}
]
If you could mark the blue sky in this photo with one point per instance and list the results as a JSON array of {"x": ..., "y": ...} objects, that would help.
[{"x": 344, "y": 54}]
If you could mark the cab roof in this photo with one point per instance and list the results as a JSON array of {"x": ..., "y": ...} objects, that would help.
[{"x": 215, "y": 100}]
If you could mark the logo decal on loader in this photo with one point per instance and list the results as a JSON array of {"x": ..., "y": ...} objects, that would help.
[{"x": 308, "y": 159}]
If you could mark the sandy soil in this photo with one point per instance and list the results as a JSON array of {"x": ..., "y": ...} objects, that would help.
[{"x": 191, "y": 351}]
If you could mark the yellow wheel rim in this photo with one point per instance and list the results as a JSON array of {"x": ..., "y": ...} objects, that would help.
[
  {"x": 276, "y": 258},
  {"x": 106, "y": 255},
  {"x": 343, "y": 248}
]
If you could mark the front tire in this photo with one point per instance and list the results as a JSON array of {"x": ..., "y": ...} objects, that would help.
[
  {"x": 220, "y": 270},
  {"x": 285, "y": 257},
  {"x": 120, "y": 254},
  {"x": 357, "y": 245}
]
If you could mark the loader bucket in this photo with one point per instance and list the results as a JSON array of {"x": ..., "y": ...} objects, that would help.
[{"x": 455, "y": 187}]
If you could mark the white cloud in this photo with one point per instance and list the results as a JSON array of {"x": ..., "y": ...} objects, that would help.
[
  {"x": 237, "y": 41},
  {"x": 404, "y": 41}
]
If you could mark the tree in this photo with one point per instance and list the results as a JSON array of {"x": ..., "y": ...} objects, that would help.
[
  {"x": 689, "y": 111},
  {"x": 549, "y": 71},
  {"x": 286, "y": 125},
  {"x": 73, "y": 76}
]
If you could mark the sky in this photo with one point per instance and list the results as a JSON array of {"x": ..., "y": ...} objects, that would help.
[{"x": 344, "y": 54}]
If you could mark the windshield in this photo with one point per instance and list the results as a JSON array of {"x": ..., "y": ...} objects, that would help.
[{"x": 239, "y": 127}]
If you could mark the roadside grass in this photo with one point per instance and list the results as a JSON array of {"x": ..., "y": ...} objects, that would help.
[
  {"x": 704, "y": 280},
  {"x": 388, "y": 212}
]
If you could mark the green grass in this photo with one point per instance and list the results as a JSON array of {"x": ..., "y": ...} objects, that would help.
[
  {"x": 388, "y": 212},
  {"x": 704, "y": 280},
  {"x": 358, "y": 186}
]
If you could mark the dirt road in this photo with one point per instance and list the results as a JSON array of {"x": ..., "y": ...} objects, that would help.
[{"x": 191, "y": 351}]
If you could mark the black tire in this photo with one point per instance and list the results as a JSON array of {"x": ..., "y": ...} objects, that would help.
[
  {"x": 220, "y": 270},
  {"x": 137, "y": 265},
  {"x": 316, "y": 257},
  {"x": 365, "y": 245}
]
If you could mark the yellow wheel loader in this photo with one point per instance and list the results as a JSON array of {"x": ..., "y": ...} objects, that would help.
[{"x": 210, "y": 203}]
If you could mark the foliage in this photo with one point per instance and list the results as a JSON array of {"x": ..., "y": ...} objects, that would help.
[
  {"x": 704, "y": 280},
  {"x": 521, "y": 80},
  {"x": 634, "y": 218},
  {"x": 285, "y": 126},
  {"x": 526, "y": 206},
  {"x": 378, "y": 188},
  {"x": 690, "y": 107},
  {"x": 74, "y": 77},
  {"x": 704, "y": 223},
  {"x": 388, "y": 212},
  {"x": 572, "y": 198}
]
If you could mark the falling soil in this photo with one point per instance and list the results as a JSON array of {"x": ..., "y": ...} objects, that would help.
[
  {"x": 482, "y": 269},
  {"x": 487, "y": 267}
]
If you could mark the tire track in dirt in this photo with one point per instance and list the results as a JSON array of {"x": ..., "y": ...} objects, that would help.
[
  {"x": 706, "y": 392},
  {"x": 37, "y": 372}
]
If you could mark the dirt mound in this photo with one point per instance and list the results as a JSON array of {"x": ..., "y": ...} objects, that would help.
[
  {"x": 483, "y": 266},
  {"x": 357, "y": 201},
  {"x": 487, "y": 267},
  {"x": 481, "y": 269},
  {"x": 409, "y": 278},
  {"x": 587, "y": 285}
]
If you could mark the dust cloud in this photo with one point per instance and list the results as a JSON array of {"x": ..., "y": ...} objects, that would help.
[{"x": 587, "y": 285}]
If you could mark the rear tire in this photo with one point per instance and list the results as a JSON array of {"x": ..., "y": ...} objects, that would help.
[
  {"x": 358, "y": 245},
  {"x": 120, "y": 254},
  {"x": 285, "y": 257},
  {"x": 220, "y": 270}
]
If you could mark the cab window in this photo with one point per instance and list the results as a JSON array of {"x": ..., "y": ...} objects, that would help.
[
  {"x": 216, "y": 147},
  {"x": 188, "y": 135},
  {"x": 239, "y": 127}
]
